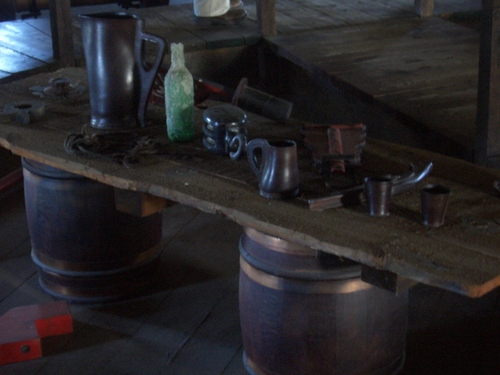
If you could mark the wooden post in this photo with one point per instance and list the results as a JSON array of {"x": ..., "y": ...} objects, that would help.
[
  {"x": 424, "y": 8},
  {"x": 266, "y": 17},
  {"x": 488, "y": 96},
  {"x": 139, "y": 204},
  {"x": 62, "y": 33},
  {"x": 7, "y": 10}
]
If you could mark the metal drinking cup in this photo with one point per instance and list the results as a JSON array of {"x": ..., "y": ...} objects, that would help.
[{"x": 278, "y": 169}]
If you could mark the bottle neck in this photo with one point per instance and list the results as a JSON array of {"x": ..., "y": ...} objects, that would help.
[{"x": 177, "y": 54}]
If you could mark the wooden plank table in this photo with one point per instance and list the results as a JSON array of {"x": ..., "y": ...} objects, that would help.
[{"x": 462, "y": 256}]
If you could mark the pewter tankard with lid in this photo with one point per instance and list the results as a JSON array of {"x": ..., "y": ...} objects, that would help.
[{"x": 119, "y": 80}]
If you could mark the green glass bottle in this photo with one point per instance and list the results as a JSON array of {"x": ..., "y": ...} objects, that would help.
[{"x": 179, "y": 97}]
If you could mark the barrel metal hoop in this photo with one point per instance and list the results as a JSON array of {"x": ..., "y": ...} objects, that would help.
[
  {"x": 79, "y": 269},
  {"x": 44, "y": 170},
  {"x": 299, "y": 286},
  {"x": 277, "y": 244},
  {"x": 338, "y": 273},
  {"x": 392, "y": 369}
]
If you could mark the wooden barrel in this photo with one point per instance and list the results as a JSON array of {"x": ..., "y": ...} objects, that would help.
[
  {"x": 306, "y": 312},
  {"x": 85, "y": 250}
]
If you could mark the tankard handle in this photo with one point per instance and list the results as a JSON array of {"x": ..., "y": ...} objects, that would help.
[
  {"x": 252, "y": 147},
  {"x": 238, "y": 142},
  {"x": 147, "y": 75}
]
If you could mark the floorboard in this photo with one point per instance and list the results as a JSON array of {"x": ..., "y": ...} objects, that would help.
[{"x": 188, "y": 324}]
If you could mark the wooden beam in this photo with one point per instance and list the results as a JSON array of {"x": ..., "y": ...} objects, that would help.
[
  {"x": 385, "y": 279},
  {"x": 266, "y": 17},
  {"x": 488, "y": 110},
  {"x": 139, "y": 204},
  {"x": 7, "y": 10},
  {"x": 424, "y": 8},
  {"x": 62, "y": 34}
]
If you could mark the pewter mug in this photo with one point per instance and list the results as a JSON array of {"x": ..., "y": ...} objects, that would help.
[
  {"x": 119, "y": 82},
  {"x": 278, "y": 170}
]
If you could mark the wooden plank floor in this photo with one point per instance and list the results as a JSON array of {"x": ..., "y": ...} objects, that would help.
[{"x": 189, "y": 323}]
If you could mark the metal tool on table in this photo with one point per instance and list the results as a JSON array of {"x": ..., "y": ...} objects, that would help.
[
  {"x": 59, "y": 87},
  {"x": 400, "y": 184},
  {"x": 248, "y": 98},
  {"x": 261, "y": 103},
  {"x": 23, "y": 112},
  {"x": 334, "y": 146}
]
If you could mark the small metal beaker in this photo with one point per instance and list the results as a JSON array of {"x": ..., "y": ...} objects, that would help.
[
  {"x": 434, "y": 201},
  {"x": 378, "y": 191}
]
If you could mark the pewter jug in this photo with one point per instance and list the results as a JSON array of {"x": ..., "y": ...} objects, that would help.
[
  {"x": 278, "y": 170},
  {"x": 119, "y": 81}
]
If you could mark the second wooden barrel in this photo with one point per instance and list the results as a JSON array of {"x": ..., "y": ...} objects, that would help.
[
  {"x": 85, "y": 250},
  {"x": 305, "y": 312}
]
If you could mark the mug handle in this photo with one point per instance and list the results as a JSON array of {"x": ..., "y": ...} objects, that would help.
[
  {"x": 147, "y": 75},
  {"x": 252, "y": 146},
  {"x": 239, "y": 139}
]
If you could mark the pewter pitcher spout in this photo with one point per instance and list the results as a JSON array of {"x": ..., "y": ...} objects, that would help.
[{"x": 119, "y": 82}]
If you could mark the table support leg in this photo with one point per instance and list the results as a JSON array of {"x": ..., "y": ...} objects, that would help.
[
  {"x": 62, "y": 34},
  {"x": 424, "y": 8}
]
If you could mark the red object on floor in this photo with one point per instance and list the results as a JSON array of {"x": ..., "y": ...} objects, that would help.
[{"x": 22, "y": 328}]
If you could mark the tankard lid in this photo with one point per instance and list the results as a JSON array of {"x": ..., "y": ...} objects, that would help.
[{"x": 224, "y": 114}]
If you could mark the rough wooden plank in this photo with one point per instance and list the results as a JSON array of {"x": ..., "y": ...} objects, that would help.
[
  {"x": 402, "y": 64},
  {"x": 451, "y": 104},
  {"x": 13, "y": 274},
  {"x": 39, "y": 24},
  {"x": 316, "y": 18},
  {"x": 182, "y": 19},
  {"x": 215, "y": 342},
  {"x": 175, "y": 219},
  {"x": 13, "y": 227},
  {"x": 24, "y": 39},
  {"x": 15, "y": 62},
  {"x": 165, "y": 22},
  {"x": 187, "y": 252},
  {"x": 289, "y": 25},
  {"x": 235, "y": 367},
  {"x": 414, "y": 255}
]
